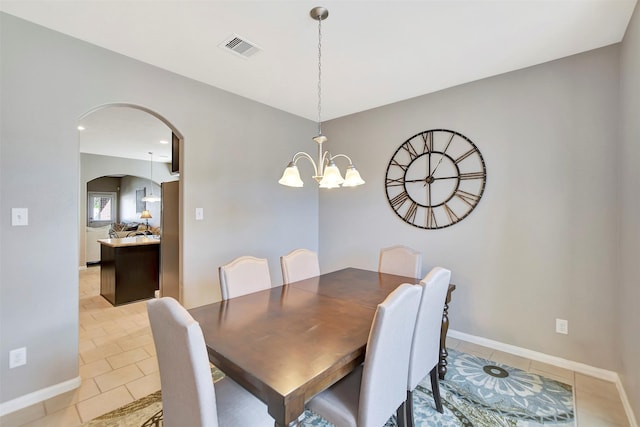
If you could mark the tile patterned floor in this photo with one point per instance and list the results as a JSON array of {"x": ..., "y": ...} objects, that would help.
[{"x": 118, "y": 365}]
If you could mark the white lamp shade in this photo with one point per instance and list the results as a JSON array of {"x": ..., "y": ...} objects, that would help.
[
  {"x": 151, "y": 198},
  {"x": 352, "y": 177},
  {"x": 291, "y": 177},
  {"x": 145, "y": 214},
  {"x": 331, "y": 177}
]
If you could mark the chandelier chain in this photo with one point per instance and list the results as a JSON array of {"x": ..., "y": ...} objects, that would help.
[{"x": 319, "y": 76}]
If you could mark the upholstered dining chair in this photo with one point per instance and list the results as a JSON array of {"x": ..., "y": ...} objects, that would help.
[
  {"x": 299, "y": 264},
  {"x": 425, "y": 349},
  {"x": 189, "y": 396},
  {"x": 369, "y": 395},
  {"x": 400, "y": 260},
  {"x": 244, "y": 275}
]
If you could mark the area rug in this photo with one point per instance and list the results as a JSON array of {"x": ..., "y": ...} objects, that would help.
[{"x": 475, "y": 393}]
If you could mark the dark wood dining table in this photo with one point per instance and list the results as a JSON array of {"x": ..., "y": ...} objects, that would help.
[{"x": 290, "y": 342}]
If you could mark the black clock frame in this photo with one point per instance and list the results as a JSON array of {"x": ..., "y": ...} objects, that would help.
[{"x": 397, "y": 201}]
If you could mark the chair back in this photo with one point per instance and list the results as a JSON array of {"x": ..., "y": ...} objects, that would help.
[
  {"x": 400, "y": 260},
  {"x": 425, "y": 349},
  {"x": 384, "y": 388},
  {"x": 299, "y": 264},
  {"x": 244, "y": 275},
  {"x": 188, "y": 394}
]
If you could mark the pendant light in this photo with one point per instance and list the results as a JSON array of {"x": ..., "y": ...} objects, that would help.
[
  {"x": 327, "y": 173},
  {"x": 151, "y": 198}
]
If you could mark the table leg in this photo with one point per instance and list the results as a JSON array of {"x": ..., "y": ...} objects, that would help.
[
  {"x": 442, "y": 365},
  {"x": 286, "y": 413}
]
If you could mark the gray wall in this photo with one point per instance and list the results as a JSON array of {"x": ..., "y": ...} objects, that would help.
[
  {"x": 127, "y": 206},
  {"x": 542, "y": 243},
  {"x": 48, "y": 81},
  {"x": 629, "y": 288}
]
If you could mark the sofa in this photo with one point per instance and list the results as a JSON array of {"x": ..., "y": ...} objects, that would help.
[{"x": 120, "y": 230}]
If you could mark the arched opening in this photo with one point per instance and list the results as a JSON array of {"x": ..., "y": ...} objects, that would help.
[{"x": 135, "y": 152}]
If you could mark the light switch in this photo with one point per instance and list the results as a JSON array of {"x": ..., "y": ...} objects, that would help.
[
  {"x": 199, "y": 214},
  {"x": 19, "y": 216},
  {"x": 17, "y": 357}
]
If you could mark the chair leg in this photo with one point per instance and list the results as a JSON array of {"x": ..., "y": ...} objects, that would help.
[
  {"x": 408, "y": 405},
  {"x": 401, "y": 415},
  {"x": 435, "y": 388}
]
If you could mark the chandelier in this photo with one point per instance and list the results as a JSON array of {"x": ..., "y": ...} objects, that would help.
[
  {"x": 327, "y": 173},
  {"x": 151, "y": 198}
]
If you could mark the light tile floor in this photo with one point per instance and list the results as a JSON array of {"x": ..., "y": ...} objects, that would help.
[
  {"x": 118, "y": 365},
  {"x": 117, "y": 362}
]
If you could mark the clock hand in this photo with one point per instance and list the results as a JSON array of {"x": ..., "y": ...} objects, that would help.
[{"x": 442, "y": 157}]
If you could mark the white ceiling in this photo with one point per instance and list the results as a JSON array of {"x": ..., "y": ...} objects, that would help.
[
  {"x": 373, "y": 52},
  {"x": 125, "y": 132}
]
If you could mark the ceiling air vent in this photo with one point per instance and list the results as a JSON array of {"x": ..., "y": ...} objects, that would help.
[{"x": 239, "y": 46}]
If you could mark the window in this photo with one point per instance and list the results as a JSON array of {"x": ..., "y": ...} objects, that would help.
[{"x": 101, "y": 208}]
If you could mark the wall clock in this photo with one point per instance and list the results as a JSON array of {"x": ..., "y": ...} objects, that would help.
[{"x": 435, "y": 179}]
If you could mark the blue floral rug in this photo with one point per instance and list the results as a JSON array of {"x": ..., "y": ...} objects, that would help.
[
  {"x": 481, "y": 393},
  {"x": 475, "y": 393}
]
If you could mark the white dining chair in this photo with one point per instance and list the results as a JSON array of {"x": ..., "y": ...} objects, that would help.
[
  {"x": 400, "y": 260},
  {"x": 370, "y": 395},
  {"x": 425, "y": 349},
  {"x": 299, "y": 264},
  {"x": 244, "y": 275},
  {"x": 189, "y": 396}
]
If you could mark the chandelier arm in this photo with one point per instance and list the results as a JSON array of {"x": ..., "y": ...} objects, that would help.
[
  {"x": 342, "y": 155},
  {"x": 324, "y": 159},
  {"x": 302, "y": 154}
]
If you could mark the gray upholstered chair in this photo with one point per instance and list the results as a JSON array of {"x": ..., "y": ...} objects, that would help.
[
  {"x": 400, "y": 260},
  {"x": 299, "y": 264},
  {"x": 244, "y": 275},
  {"x": 425, "y": 350},
  {"x": 369, "y": 395},
  {"x": 188, "y": 393}
]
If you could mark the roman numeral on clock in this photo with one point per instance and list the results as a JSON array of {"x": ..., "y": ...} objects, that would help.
[
  {"x": 410, "y": 215},
  {"x": 427, "y": 138},
  {"x": 409, "y": 148},
  {"x": 399, "y": 200},
  {"x": 468, "y": 198}
]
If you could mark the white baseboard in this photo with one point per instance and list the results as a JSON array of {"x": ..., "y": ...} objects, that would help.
[
  {"x": 627, "y": 405},
  {"x": 582, "y": 368},
  {"x": 39, "y": 396},
  {"x": 82, "y": 267}
]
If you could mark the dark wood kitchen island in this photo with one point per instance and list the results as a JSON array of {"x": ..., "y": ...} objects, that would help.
[{"x": 129, "y": 269}]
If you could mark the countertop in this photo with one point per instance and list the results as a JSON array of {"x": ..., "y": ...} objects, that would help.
[{"x": 130, "y": 241}]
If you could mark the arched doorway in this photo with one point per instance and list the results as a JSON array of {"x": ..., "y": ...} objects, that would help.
[{"x": 119, "y": 140}]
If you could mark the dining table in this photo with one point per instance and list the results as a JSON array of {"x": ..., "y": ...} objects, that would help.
[{"x": 288, "y": 343}]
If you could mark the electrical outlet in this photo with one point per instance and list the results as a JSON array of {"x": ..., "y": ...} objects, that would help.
[
  {"x": 562, "y": 326},
  {"x": 17, "y": 357}
]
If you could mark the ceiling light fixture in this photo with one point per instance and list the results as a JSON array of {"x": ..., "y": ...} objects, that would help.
[
  {"x": 326, "y": 171},
  {"x": 151, "y": 197}
]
